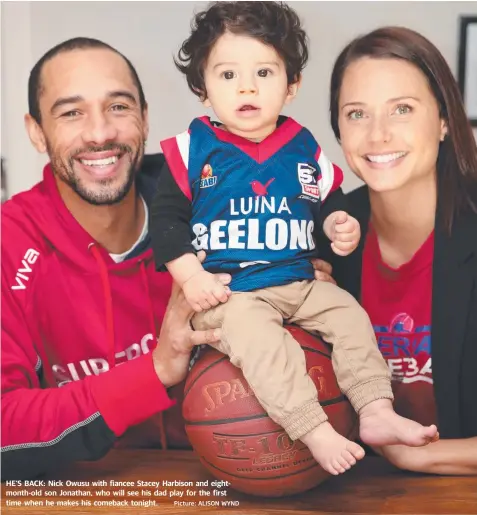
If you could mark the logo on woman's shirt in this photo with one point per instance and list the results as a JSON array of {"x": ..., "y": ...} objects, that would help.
[{"x": 407, "y": 349}]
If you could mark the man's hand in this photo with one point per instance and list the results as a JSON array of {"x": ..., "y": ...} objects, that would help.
[
  {"x": 171, "y": 356},
  {"x": 205, "y": 290},
  {"x": 177, "y": 339},
  {"x": 323, "y": 271},
  {"x": 343, "y": 231}
]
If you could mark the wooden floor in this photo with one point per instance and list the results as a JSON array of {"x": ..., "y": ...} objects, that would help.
[{"x": 372, "y": 487}]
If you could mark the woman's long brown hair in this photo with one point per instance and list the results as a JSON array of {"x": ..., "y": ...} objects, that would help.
[{"x": 457, "y": 158}]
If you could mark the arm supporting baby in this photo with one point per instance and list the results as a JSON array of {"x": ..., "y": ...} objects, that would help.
[{"x": 171, "y": 241}]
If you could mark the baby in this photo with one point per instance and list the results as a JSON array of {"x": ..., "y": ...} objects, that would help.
[{"x": 251, "y": 191}]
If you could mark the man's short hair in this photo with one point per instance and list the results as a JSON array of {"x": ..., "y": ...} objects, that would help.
[{"x": 35, "y": 84}]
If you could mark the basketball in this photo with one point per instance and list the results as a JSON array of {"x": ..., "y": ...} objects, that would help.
[{"x": 235, "y": 439}]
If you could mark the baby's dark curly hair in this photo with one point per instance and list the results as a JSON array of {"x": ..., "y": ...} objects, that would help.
[{"x": 273, "y": 23}]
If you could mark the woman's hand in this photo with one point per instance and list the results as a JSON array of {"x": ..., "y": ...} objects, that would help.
[
  {"x": 323, "y": 271},
  {"x": 447, "y": 457},
  {"x": 404, "y": 457}
]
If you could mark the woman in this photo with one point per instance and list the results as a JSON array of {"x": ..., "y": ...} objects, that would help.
[{"x": 397, "y": 112}]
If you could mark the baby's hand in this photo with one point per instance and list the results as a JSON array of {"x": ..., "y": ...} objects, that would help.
[
  {"x": 344, "y": 232},
  {"x": 204, "y": 290}
]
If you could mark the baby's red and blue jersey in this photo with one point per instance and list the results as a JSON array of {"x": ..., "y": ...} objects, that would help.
[{"x": 254, "y": 205}]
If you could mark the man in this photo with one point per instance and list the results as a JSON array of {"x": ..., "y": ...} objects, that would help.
[{"x": 80, "y": 295}]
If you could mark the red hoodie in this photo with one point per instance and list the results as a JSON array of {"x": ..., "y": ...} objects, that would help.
[{"x": 69, "y": 315}]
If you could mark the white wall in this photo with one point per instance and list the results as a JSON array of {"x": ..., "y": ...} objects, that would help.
[
  {"x": 150, "y": 32},
  {"x": 21, "y": 161}
]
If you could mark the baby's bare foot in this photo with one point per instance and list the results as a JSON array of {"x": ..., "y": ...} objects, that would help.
[
  {"x": 380, "y": 425},
  {"x": 335, "y": 453}
]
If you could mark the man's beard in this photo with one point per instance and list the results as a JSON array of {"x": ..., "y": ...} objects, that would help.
[{"x": 104, "y": 194}]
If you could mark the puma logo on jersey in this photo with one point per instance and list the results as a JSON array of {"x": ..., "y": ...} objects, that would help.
[{"x": 22, "y": 275}]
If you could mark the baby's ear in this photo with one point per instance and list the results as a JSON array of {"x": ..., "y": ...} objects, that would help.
[
  {"x": 293, "y": 90},
  {"x": 203, "y": 97}
]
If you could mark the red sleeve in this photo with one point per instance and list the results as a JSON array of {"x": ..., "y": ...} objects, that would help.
[
  {"x": 331, "y": 175},
  {"x": 46, "y": 427},
  {"x": 176, "y": 152}
]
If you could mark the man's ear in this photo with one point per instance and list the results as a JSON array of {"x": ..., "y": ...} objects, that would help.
[
  {"x": 293, "y": 90},
  {"x": 145, "y": 117},
  {"x": 35, "y": 133}
]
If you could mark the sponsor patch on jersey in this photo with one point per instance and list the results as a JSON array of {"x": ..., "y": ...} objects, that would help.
[
  {"x": 207, "y": 177},
  {"x": 308, "y": 178}
]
